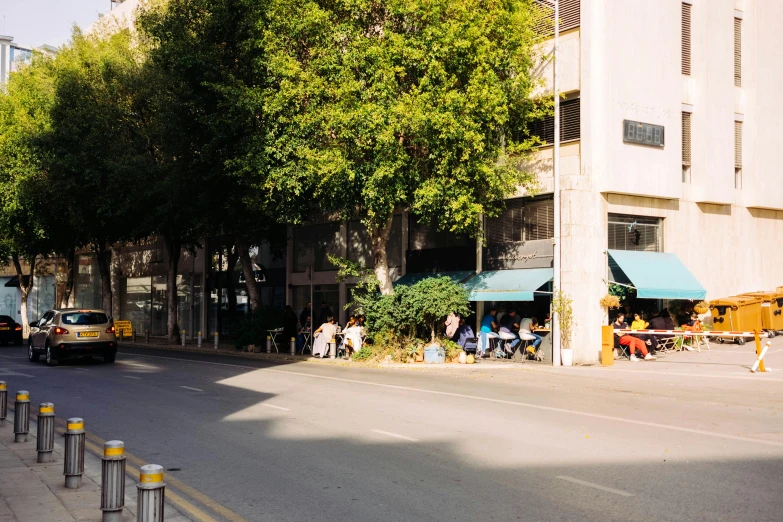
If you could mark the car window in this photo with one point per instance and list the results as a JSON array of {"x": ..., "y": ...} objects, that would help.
[
  {"x": 84, "y": 318},
  {"x": 46, "y": 318}
]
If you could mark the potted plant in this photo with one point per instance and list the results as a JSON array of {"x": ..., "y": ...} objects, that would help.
[
  {"x": 562, "y": 305},
  {"x": 702, "y": 307}
]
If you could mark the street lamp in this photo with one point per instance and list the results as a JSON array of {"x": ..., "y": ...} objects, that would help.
[{"x": 556, "y": 175}]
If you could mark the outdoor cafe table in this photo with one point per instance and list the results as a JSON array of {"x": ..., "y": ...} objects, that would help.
[{"x": 273, "y": 335}]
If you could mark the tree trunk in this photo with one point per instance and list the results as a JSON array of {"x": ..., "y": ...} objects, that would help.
[
  {"x": 433, "y": 327},
  {"x": 104, "y": 263},
  {"x": 379, "y": 239},
  {"x": 254, "y": 294},
  {"x": 232, "y": 256},
  {"x": 174, "y": 250},
  {"x": 69, "y": 278},
  {"x": 25, "y": 286}
]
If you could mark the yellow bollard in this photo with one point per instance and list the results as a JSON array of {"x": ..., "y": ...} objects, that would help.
[
  {"x": 758, "y": 353},
  {"x": 607, "y": 345}
]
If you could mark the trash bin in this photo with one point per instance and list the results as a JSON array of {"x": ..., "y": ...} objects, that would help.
[
  {"x": 434, "y": 355},
  {"x": 771, "y": 311},
  {"x": 736, "y": 314}
]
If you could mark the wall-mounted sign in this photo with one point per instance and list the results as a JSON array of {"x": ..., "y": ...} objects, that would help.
[{"x": 643, "y": 133}]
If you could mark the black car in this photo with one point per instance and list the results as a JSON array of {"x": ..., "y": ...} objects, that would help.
[{"x": 10, "y": 331}]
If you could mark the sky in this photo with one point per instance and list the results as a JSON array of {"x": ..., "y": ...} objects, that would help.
[{"x": 38, "y": 22}]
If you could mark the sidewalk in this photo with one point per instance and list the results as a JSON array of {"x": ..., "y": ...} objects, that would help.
[{"x": 32, "y": 492}]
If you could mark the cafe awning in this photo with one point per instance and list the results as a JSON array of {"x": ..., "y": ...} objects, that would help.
[
  {"x": 410, "y": 279},
  {"x": 507, "y": 285},
  {"x": 655, "y": 275}
]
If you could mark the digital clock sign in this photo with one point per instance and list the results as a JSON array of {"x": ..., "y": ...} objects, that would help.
[{"x": 643, "y": 133}]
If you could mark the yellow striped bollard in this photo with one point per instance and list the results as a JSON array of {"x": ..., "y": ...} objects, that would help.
[
  {"x": 45, "y": 441},
  {"x": 21, "y": 416},
  {"x": 151, "y": 494},
  {"x": 113, "y": 480}
]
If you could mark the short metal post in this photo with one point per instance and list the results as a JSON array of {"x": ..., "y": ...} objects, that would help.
[
  {"x": 45, "y": 441},
  {"x": 134, "y": 335},
  {"x": 73, "y": 467},
  {"x": 293, "y": 346},
  {"x": 113, "y": 480},
  {"x": 182, "y": 336},
  {"x": 147, "y": 336},
  {"x": 217, "y": 340},
  {"x": 122, "y": 335},
  {"x": 199, "y": 339},
  {"x": 151, "y": 494},
  {"x": 3, "y": 402},
  {"x": 333, "y": 349},
  {"x": 21, "y": 416},
  {"x": 268, "y": 344}
]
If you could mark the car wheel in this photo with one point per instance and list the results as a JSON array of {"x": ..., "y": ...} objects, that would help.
[
  {"x": 31, "y": 355},
  {"x": 50, "y": 361}
]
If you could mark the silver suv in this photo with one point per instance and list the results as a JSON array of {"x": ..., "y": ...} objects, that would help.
[{"x": 66, "y": 333}]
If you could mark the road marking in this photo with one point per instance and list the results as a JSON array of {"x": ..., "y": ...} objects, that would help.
[
  {"x": 275, "y": 407},
  {"x": 531, "y": 406},
  {"x": 131, "y": 377},
  {"x": 596, "y": 486},
  {"x": 189, "y": 388},
  {"x": 95, "y": 445},
  {"x": 689, "y": 375},
  {"x": 395, "y": 435}
]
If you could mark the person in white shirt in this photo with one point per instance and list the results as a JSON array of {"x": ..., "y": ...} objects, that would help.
[
  {"x": 323, "y": 336},
  {"x": 528, "y": 325}
]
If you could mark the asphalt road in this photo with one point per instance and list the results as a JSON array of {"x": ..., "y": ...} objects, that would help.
[{"x": 304, "y": 441}]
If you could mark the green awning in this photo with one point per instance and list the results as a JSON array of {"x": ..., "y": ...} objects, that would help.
[
  {"x": 410, "y": 279},
  {"x": 655, "y": 275},
  {"x": 507, "y": 285}
]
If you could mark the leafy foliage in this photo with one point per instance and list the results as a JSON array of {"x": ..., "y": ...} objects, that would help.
[{"x": 562, "y": 305}]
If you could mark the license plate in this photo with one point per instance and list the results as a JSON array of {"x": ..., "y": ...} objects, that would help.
[
  {"x": 5, "y": 327},
  {"x": 87, "y": 334}
]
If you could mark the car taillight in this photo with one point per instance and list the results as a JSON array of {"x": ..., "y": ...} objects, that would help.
[
  {"x": 110, "y": 329},
  {"x": 18, "y": 328},
  {"x": 60, "y": 331}
]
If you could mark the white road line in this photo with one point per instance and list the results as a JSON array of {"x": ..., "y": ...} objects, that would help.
[
  {"x": 131, "y": 377},
  {"x": 395, "y": 435},
  {"x": 189, "y": 388},
  {"x": 596, "y": 486},
  {"x": 531, "y": 406},
  {"x": 747, "y": 377},
  {"x": 274, "y": 407}
]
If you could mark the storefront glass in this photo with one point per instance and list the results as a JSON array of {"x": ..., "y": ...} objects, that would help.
[{"x": 88, "y": 283}]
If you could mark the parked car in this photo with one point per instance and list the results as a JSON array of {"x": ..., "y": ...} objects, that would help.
[
  {"x": 67, "y": 333},
  {"x": 10, "y": 331}
]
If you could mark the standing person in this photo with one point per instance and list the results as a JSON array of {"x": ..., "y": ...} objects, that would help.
[
  {"x": 306, "y": 312},
  {"x": 326, "y": 313},
  {"x": 323, "y": 336},
  {"x": 529, "y": 325},
  {"x": 488, "y": 329},
  {"x": 452, "y": 323},
  {"x": 633, "y": 343}
]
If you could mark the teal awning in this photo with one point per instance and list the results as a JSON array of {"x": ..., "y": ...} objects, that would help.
[
  {"x": 507, "y": 285},
  {"x": 410, "y": 279},
  {"x": 655, "y": 275}
]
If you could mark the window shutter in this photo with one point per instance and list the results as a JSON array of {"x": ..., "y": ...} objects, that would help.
[
  {"x": 539, "y": 220},
  {"x": 506, "y": 228},
  {"x": 570, "y": 121},
  {"x": 738, "y": 52},
  {"x": 738, "y": 144},
  {"x": 686, "y": 39},
  {"x": 637, "y": 233},
  {"x": 570, "y": 14},
  {"x": 686, "y": 138}
]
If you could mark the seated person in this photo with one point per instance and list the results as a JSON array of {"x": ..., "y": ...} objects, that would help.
[
  {"x": 528, "y": 325},
  {"x": 509, "y": 324},
  {"x": 488, "y": 326},
  {"x": 464, "y": 333},
  {"x": 323, "y": 336},
  {"x": 694, "y": 324},
  {"x": 640, "y": 324},
  {"x": 353, "y": 337},
  {"x": 633, "y": 343}
]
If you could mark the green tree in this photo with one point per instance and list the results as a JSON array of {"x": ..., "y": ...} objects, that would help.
[{"x": 376, "y": 106}]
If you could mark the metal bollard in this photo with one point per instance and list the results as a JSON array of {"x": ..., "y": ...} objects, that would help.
[
  {"x": 217, "y": 337},
  {"x": 21, "y": 416},
  {"x": 147, "y": 336},
  {"x": 45, "y": 443},
  {"x": 199, "y": 339},
  {"x": 333, "y": 349},
  {"x": 113, "y": 481},
  {"x": 122, "y": 335},
  {"x": 133, "y": 332},
  {"x": 151, "y": 494},
  {"x": 268, "y": 344},
  {"x": 73, "y": 467},
  {"x": 3, "y": 402},
  {"x": 182, "y": 336},
  {"x": 293, "y": 346}
]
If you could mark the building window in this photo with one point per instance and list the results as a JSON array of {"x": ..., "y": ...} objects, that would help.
[
  {"x": 686, "y": 147},
  {"x": 642, "y": 234},
  {"x": 686, "y": 38},
  {"x": 570, "y": 14},
  {"x": 360, "y": 249},
  {"x": 522, "y": 220},
  {"x": 738, "y": 154},
  {"x": 313, "y": 245},
  {"x": 569, "y": 123},
  {"x": 738, "y": 52}
]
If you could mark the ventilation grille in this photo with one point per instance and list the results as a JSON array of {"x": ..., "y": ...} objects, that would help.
[
  {"x": 686, "y": 138},
  {"x": 570, "y": 12},
  {"x": 686, "y": 39},
  {"x": 738, "y": 144},
  {"x": 569, "y": 123},
  {"x": 738, "y": 52}
]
